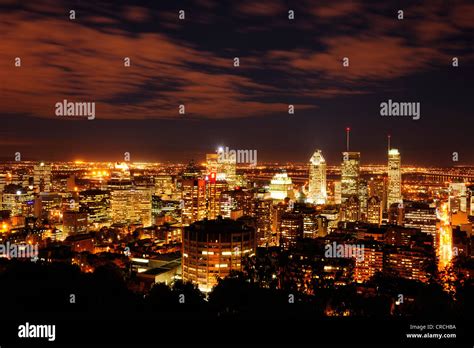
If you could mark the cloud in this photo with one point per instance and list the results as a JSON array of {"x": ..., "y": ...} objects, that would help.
[
  {"x": 329, "y": 10},
  {"x": 65, "y": 60},
  {"x": 82, "y": 60}
]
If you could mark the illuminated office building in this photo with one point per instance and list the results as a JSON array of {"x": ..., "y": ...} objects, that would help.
[
  {"x": 235, "y": 201},
  {"x": 96, "y": 203},
  {"x": 214, "y": 248},
  {"x": 363, "y": 198},
  {"x": 350, "y": 209},
  {"x": 281, "y": 187},
  {"x": 370, "y": 263},
  {"x": 42, "y": 177},
  {"x": 48, "y": 206},
  {"x": 164, "y": 185},
  {"x": 377, "y": 186},
  {"x": 410, "y": 263},
  {"x": 374, "y": 210},
  {"x": 193, "y": 197},
  {"x": 317, "y": 179},
  {"x": 457, "y": 197},
  {"x": 225, "y": 166},
  {"x": 332, "y": 217},
  {"x": 17, "y": 200},
  {"x": 420, "y": 215},
  {"x": 120, "y": 187},
  {"x": 350, "y": 173},
  {"x": 140, "y": 202},
  {"x": 3, "y": 181},
  {"x": 291, "y": 228},
  {"x": 262, "y": 212},
  {"x": 214, "y": 189},
  {"x": 215, "y": 167},
  {"x": 314, "y": 225},
  {"x": 337, "y": 192},
  {"x": 394, "y": 178}
]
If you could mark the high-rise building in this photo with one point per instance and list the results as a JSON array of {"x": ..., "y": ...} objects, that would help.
[
  {"x": 420, "y": 215},
  {"x": 457, "y": 197},
  {"x": 337, "y": 192},
  {"x": 314, "y": 225},
  {"x": 42, "y": 177},
  {"x": 371, "y": 262},
  {"x": 214, "y": 167},
  {"x": 350, "y": 173},
  {"x": 164, "y": 185},
  {"x": 214, "y": 248},
  {"x": 234, "y": 201},
  {"x": 394, "y": 178},
  {"x": 262, "y": 211},
  {"x": 317, "y": 179},
  {"x": 214, "y": 190},
  {"x": 97, "y": 205},
  {"x": 17, "y": 200},
  {"x": 363, "y": 198},
  {"x": 281, "y": 187},
  {"x": 291, "y": 228},
  {"x": 374, "y": 210},
  {"x": 120, "y": 186},
  {"x": 140, "y": 202},
  {"x": 193, "y": 198},
  {"x": 193, "y": 195},
  {"x": 226, "y": 166},
  {"x": 350, "y": 209}
]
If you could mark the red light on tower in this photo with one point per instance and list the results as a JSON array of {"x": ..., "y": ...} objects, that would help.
[{"x": 213, "y": 177}]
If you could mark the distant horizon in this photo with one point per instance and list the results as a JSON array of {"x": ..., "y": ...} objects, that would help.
[{"x": 4, "y": 161}]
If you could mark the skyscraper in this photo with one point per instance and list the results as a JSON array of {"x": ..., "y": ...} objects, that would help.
[
  {"x": 350, "y": 175},
  {"x": 394, "y": 177},
  {"x": 317, "y": 179},
  {"x": 281, "y": 186},
  {"x": 226, "y": 165},
  {"x": 42, "y": 177},
  {"x": 457, "y": 196},
  {"x": 374, "y": 210}
]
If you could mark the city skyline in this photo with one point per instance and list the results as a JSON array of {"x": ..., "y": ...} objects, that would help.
[{"x": 178, "y": 82}]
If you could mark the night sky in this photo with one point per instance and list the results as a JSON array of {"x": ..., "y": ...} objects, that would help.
[{"x": 282, "y": 62}]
